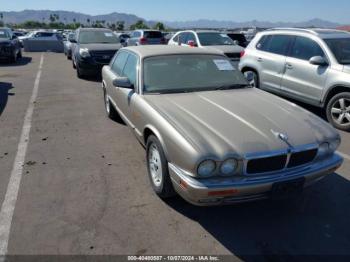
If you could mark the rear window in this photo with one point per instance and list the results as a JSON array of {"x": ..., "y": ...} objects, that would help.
[{"x": 153, "y": 34}]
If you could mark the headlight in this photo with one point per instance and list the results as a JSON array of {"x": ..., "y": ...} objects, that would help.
[
  {"x": 206, "y": 168},
  {"x": 333, "y": 146},
  {"x": 229, "y": 167},
  {"x": 323, "y": 150},
  {"x": 84, "y": 52}
]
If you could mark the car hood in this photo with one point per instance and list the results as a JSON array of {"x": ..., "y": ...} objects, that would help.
[
  {"x": 5, "y": 41},
  {"x": 227, "y": 48},
  {"x": 242, "y": 121},
  {"x": 101, "y": 47}
]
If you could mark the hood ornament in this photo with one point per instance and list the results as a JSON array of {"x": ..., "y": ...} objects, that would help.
[{"x": 282, "y": 137}]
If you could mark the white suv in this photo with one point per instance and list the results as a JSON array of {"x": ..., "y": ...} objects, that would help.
[
  {"x": 312, "y": 66},
  {"x": 211, "y": 40}
]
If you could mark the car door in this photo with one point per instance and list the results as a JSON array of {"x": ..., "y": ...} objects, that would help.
[
  {"x": 271, "y": 60},
  {"x": 183, "y": 39},
  {"x": 124, "y": 96},
  {"x": 301, "y": 79}
]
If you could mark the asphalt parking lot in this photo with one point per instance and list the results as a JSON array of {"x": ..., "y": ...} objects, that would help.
[{"x": 84, "y": 187}]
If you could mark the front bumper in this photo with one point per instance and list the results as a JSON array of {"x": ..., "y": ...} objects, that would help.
[
  {"x": 6, "y": 51},
  {"x": 221, "y": 191},
  {"x": 89, "y": 66}
]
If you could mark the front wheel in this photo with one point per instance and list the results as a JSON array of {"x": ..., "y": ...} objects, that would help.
[
  {"x": 338, "y": 111},
  {"x": 254, "y": 78},
  {"x": 111, "y": 112},
  {"x": 157, "y": 166}
]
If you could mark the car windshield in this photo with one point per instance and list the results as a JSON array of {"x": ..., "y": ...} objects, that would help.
[
  {"x": 190, "y": 73},
  {"x": 4, "y": 34},
  {"x": 341, "y": 49},
  {"x": 96, "y": 37},
  {"x": 208, "y": 39}
]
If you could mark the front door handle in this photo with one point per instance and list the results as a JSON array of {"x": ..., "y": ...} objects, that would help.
[
  {"x": 289, "y": 66},
  {"x": 260, "y": 59}
]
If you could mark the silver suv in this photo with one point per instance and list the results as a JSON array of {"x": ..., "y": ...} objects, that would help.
[{"x": 312, "y": 66}]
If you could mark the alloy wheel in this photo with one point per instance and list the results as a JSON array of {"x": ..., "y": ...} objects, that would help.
[{"x": 341, "y": 111}]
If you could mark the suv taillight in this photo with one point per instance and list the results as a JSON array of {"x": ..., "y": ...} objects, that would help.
[
  {"x": 143, "y": 40},
  {"x": 242, "y": 53}
]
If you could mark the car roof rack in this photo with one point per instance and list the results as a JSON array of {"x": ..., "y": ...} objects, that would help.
[
  {"x": 314, "y": 31},
  {"x": 304, "y": 30}
]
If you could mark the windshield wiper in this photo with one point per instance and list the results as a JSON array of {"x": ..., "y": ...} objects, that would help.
[{"x": 234, "y": 86}]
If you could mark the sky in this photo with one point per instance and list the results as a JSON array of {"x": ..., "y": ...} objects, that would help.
[{"x": 184, "y": 10}]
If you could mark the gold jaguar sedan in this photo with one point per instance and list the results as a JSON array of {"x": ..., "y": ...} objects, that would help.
[{"x": 208, "y": 135}]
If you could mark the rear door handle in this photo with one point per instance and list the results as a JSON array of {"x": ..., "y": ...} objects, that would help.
[{"x": 260, "y": 59}]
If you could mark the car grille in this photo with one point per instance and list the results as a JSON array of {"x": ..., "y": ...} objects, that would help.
[
  {"x": 5, "y": 49},
  {"x": 103, "y": 57},
  {"x": 277, "y": 163},
  {"x": 268, "y": 164},
  {"x": 235, "y": 56},
  {"x": 302, "y": 158}
]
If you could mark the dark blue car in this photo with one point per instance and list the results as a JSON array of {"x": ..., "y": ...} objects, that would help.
[{"x": 10, "y": 47}]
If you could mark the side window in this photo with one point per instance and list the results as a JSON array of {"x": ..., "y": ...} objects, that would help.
[
  {"x": 130, "y": 69},
  {"x": 137, "y": 34},
  {"x": 305, "y": 48},
  {"x": 183, "y": 38},
  {"x": 279, "y": 44},
  {"x": 176, "y": 39},
  {"x": 191, "y": 37},
  {"x": 119, "y": 63},
  {"x": 263, "y": 43}
]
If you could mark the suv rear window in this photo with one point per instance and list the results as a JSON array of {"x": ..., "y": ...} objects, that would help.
[
  {"x": 153, "y": 34},
  {"x": 276, "y": 44}
]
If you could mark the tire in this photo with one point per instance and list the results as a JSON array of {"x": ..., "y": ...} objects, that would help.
[
  {"x": 111, "y": 112},
  {"x": 157, "y": 166},
  {"x": 79, "y": 73},
  {"x": 73, "y": 64},
  {"x": 19, "y": 55},
  {"x": 338, "y": 111},
  {"x": 255, "y": 82},
  {"x": 13, "y": 58}
]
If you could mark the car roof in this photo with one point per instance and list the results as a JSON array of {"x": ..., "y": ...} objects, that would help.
[
  {"x": 320, "y": 32},
  {"x": 160, "y": 50}
]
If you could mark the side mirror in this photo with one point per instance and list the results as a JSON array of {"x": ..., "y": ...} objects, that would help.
[
  {"x": 192, "y": 43},
  {"x": 318, "y": 60},
  {"x": 14, "y": 37},
  {"x": 123, "y": 82}
]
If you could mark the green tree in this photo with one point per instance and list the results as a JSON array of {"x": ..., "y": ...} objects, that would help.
[
  {"x": 159, "y": 26},
  {"x": 88, "y": 21},
  {"x": 1, "y": 16},
  {"x": 139, "y": 25},
  {"x": 120, "y": 25}
]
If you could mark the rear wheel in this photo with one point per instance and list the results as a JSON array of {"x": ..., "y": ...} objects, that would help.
[
  {"x": 73, "y": 63},
  {"x": 338, "y": 111},
  {"x": 157, "y": 166},
  {"x": 111, "y": 112},
  {"x": 254, "y": 81}
]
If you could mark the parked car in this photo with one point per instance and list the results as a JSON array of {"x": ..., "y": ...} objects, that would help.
[
  {"x": 10, "y": 47},
  {"x": 204, "y": 140},
  {"x": 167, "y": 36},
  {"x": 146, "y": 37},
  {"x": 240, "y": 38},
  {"x": 94, "y": 48},
  {"x": 311, "y": 66},
  {"x": 68, "y": 45},
  {"x": 210, "y": 40}
]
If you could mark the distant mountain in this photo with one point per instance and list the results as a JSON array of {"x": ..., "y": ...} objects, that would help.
[
  {"x": 254, "y": 23},
  {"x": 67, "y": 17}
]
